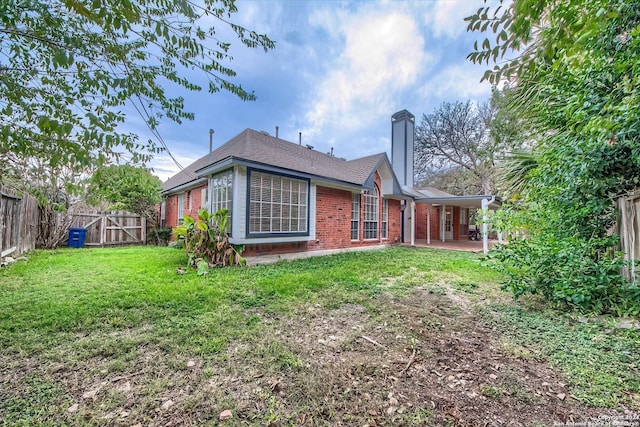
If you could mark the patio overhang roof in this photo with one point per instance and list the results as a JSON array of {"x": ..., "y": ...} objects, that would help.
[{"x": 463, "y": 201}]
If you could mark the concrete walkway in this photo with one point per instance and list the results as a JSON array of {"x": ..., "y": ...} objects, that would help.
[
  {"x": 455, "y": 245},
  {"x": 270, "y": 259},
  {"x": 460, "y": 245}
]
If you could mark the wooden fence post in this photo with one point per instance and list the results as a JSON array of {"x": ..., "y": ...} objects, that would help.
[{"x": 103, "y": 230}]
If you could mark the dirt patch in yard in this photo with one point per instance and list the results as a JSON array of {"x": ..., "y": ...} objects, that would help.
[
  {"x": 418, "y": 360},
  {"x": 414, "y": 360}
]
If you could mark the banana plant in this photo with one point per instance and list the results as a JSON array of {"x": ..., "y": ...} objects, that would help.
[{"x": 206, "y": 241}]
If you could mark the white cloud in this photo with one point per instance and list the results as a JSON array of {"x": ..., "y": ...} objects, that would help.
[
  {"x": 382, "y": 54},
  {"x": 164, "y": 167},
  {"x": 446, "y": 17},
  {"x": 459, "y": 81}
]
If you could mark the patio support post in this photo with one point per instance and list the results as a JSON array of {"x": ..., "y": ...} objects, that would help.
[
  {"x": 485, "y": 227},
  {"x": 413, "y": 223},
  {"x": 428, "y": 224}
]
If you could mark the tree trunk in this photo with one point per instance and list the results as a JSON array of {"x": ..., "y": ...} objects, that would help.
[{"x": 485, "y": 180}]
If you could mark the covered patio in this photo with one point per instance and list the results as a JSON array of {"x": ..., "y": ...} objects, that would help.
[{"x": 447, "y": 217}]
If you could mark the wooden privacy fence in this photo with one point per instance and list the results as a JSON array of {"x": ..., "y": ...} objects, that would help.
[
  {"x": 18, "y": 222},
  {"x": 111, "y": 228},
  {"x": 629, "y": 229}
]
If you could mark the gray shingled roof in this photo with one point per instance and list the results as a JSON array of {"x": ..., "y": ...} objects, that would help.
[
  {"x": 257, "y": 147},
  {"x": 433, "y": 192}
]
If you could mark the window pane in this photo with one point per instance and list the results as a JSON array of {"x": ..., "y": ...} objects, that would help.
[
  {"x": 384, "y": 229},
  {"x": 280, "y": 204},
  {"x": 222, "y": 193},
  {"x": 371, "y": 214},
  {"x": 180, "y": 208},
  {"x": 355, "y": 217}
]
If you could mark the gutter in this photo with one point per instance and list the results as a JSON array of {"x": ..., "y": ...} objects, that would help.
[
  {"x": 185, "y": 186},
  {"x": 444, "y": 200}
]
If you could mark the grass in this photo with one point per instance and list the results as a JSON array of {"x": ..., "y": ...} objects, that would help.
[
  {"x": 108, "y": 321},
  {"x": 600, "y": 363}
]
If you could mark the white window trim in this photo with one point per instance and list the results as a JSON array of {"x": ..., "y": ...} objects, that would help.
[
  {"x": 274, "y": 203},
  {"x": 384, "y": 223},
  {"x": 375, "y": 214},
  {"x": 228, "y": 191},
  {"x": 180, "y": 208},
  {"x": 204, "y": 198},
  {"x": 355, "y": 216}
]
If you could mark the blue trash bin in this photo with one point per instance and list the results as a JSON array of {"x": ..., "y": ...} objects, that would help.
[{"x": 77, "y": 237}]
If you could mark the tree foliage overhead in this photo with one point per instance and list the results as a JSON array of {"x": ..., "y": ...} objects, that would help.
[
  {"x": 68, "y": 67},
  {"x": 576, "y": 72},
  {"x": 461, "y": 141},
  {"x": 126, "y": 187},
  {"x": 456, "y": 180}
]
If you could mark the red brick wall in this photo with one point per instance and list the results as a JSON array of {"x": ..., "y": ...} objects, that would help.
[
  {"x": 421, "y": 221},
  {"x": 275, "y": 248},
  {"x": 171, "y": 211},
  {"x": 333, "y": 219},
  {"x": 395, "y": 222},
  {"x": 171, "y": 205},
  {"x": 196, "y": 201}
]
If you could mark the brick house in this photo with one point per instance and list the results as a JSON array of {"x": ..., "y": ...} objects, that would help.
[{"x": 286, "y": 197}]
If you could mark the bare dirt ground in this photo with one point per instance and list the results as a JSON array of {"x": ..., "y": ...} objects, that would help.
[{"x": 423, "y": 359}]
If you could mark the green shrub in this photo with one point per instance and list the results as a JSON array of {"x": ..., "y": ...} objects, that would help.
[
  {"x": 578, "y": 272},
  {"x": 161, "y": 235},
  {"x": 176, "y": 245}
]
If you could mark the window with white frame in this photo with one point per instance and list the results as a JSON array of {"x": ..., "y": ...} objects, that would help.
[
  {"x": 222, "y": 194},
  {"x": 371, "y": 214},
  {"x": 277, "y": 204},
  {"x": 180, "y": 208},
  {"x": 384, "y": 229},
  {"x": 355, "y": 216},
  {"x": 204, "y": 198}
]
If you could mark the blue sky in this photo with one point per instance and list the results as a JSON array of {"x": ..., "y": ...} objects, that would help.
[{"x": 337, "y": 74}]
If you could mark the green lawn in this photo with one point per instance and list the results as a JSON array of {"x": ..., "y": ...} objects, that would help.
[{"x": 117, "y": 336}]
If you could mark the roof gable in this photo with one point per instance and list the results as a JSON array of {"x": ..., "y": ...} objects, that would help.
[{"x": 261, "y": 148}]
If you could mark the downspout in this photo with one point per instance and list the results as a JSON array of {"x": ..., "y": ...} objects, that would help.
[{"x": 485, "y": 227}]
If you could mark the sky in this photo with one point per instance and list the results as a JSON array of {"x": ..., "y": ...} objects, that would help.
[{"x": 339, "y": 71}]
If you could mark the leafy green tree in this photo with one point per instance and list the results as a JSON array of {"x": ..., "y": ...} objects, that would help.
[
  {"x": 514, "y": 174},
  {"x": 576, "y": 86},
  {"x": 126, "y": 187},
  {"x": 57, "y": 189},
  {"x": 68, "y": 68}
]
